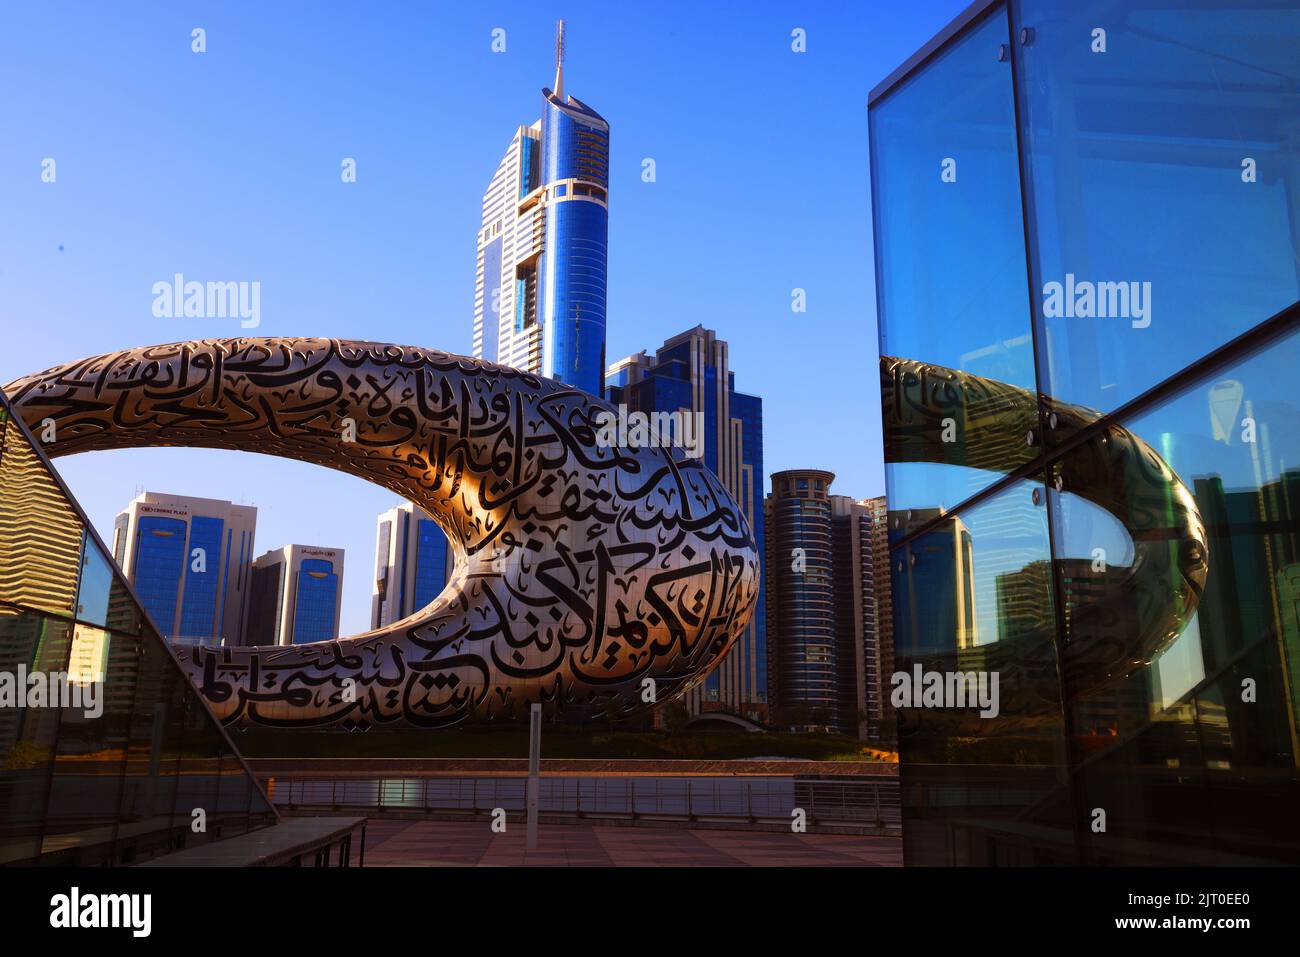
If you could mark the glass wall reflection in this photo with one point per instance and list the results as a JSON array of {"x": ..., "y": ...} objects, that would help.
[
  {"x": 1207, "y": 728},
  {"x": 950, "y": 248},
  {"x": 1163, "y": 158},
  {"x": 973, "y": 608},
  {"x": 1151, "y": 558},
  {"x": 107, "y": 754}
]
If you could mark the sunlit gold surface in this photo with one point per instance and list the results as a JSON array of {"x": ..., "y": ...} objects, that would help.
[{"x": 40, "y": 536}]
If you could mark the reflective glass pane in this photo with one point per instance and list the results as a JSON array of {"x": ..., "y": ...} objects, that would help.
[
  {"x": 982, "y": 756},
  {"x": 235, "y": 796},
  {"x": 154, "y": 748},
  {"x": 102, "y": 596},
  {"x": 951, "y": 283},
  {"x": 1178, "y": 543},
  {"x": 96, "y": 585},
  {"x": 1163, "y": 166},
  {"x": 199, "y": 788},
  {"x": 81, "y": 820},
  {"x": 30, "y": 644}
]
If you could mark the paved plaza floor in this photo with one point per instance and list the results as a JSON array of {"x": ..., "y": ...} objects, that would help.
[{"x": 407, "y": 843}]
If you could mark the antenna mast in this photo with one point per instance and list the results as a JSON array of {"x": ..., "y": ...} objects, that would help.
[{"x": 559, "y": 61}]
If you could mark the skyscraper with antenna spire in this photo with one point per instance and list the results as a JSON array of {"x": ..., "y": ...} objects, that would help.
[{"x": 539, "y": 293}]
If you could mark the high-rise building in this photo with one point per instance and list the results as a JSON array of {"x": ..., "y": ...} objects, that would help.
[
  {"x": 189, "y": 559},
  {"x": 690, "y": 374},
  {"x": 862, "y": 684},
  {"x": 539, "y": 291},
  {"x": 934, "y": 590},
  {"x": 800, "y": 599},
  {"x": 297, "y": 596},
  {"x": 879, "y": 625},
  {"x": 828, "y": 652},
  {"x": 413, "y": 561}
]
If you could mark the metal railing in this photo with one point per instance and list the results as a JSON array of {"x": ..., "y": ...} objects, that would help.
[{"x": 871, "y": 803}]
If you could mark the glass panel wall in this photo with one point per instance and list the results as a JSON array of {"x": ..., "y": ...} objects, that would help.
[
  {"x": 1158, "y": 152},
  {"x": 975, "y": 642},
  {"x": 1203, "y": 726},
  {"x": 30, "y": 643},
  {"x": 951, "y": 285},
  {"x": 107, "y": 754},
  {"x": 1162, "y": 157},
  {"x": 153, "y": 755}
]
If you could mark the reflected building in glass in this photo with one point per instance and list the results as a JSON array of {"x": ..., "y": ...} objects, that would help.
[
  {"x": 1088, "y": 267},
  {"x": 935, "y": 604},
  {"x": 79, "y": 788},
  {"x": 297, "y": 596},
  {"x": 189, "y": 560}
]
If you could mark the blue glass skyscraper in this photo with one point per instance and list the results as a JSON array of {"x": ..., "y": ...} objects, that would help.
[
  {"x": 297, "y": 596},
  {"x": 690, "y": 373},
  {"x": 575, "y": 165},
  {"x": 413, "y": 561},
  {"x": 189, "y": 558},
  {"x": 539, "y": 302},
  {"x": 316, "y": 602}
]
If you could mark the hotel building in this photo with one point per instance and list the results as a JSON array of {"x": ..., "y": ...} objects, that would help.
[
  {"x": 297, "y": 596},
  {"x": 540, "y": 279},
  {"x": 413, "y": 561},
  {"x": 189, "y": 560}
]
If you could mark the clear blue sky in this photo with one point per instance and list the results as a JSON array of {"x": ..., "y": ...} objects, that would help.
[{"x": 225, "y": 166}]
